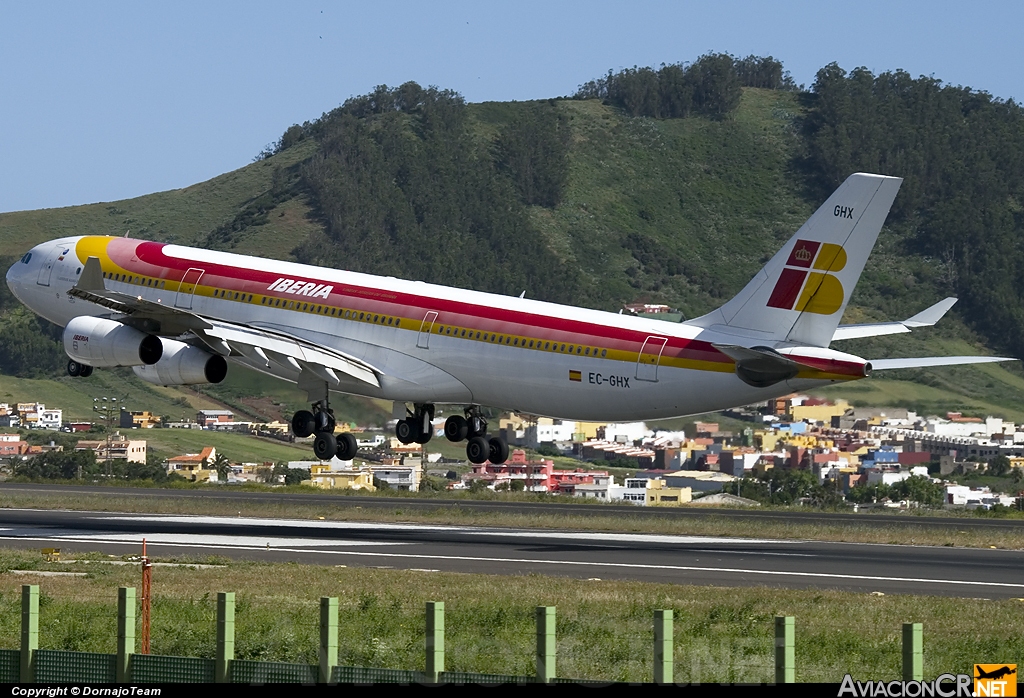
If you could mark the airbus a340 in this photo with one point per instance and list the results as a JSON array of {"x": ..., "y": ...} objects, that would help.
[{"x": 178, "y": 316}]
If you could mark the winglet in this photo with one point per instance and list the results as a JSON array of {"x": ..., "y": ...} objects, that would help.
[
  {"x": 929, "y": 316},
  {"x": 92, "y": 276}
]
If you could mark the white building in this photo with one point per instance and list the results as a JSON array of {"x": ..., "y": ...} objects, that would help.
[
  {"x": 50, "y": 419},
  {"x": 626, "y": 433},
  {"x": 981, "y": 498},
  {"x": 548, "y": 431},
  {"x": 371, "y": 440}
]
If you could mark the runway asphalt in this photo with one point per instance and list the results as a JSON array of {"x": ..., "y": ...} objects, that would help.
[
  {"x": 698, "y": 560},
  {"x": 753, "y": 516}
]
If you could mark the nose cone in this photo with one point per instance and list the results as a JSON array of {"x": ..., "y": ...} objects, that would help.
[{"x": 19, "y": 273}]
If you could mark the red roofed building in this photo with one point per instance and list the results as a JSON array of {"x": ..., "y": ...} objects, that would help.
[
  {"x": 197, "y": 467},
  {"x": 536, "y": 476}
]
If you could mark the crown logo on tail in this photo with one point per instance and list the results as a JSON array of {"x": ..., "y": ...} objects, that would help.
[{"x": 803, "y": 254}]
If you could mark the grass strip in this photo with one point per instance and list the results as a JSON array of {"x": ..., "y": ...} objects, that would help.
[{"x": 604, "y": 626}]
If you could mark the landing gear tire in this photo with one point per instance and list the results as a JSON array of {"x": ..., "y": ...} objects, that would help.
[
  {"x": 456, "y": 428},
  {"x": 424, "y": 436},
  {"x": 325, "y": 446},
  {"x": 498, "y": 450},
  {"x": 86, "y": 371},
  {"x": 303, "y": 424},
  {"x": 74, "y": 368},
  {"x": 477, "y": 450},
  {"x": 347, "y": 447},
  {"x": 406, "y": 431}
]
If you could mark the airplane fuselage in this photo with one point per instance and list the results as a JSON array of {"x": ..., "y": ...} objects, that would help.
[{"x": 430, "y": 343}]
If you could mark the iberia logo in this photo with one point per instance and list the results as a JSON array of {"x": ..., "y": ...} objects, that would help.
[
  {"x": 995, "y": 679},
  {"x": 814, "y": 291}
]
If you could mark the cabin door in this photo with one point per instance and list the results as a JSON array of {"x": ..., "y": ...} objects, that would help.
[
  {"x": 187, "y": 288},
  {"x": 427, "y": 324},
  {"x": 650, "y": 357}
]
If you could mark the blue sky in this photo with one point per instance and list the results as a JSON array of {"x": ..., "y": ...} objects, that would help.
[{"x": 105, "y": 101}]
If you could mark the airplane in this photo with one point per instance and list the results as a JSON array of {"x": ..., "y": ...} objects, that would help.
[{"x": 178, "y": 316}]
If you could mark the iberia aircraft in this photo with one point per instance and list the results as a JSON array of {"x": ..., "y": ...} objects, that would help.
[{"x": 179, "y": 315}]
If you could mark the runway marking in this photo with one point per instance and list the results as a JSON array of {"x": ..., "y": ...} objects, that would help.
[
  {"x": 575, "y": 563},
  {"x": 468, "y": 530},
  {"x": 184, "y": 539}
]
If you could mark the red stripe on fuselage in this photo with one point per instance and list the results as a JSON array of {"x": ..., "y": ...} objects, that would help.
[{"x": 148, "y": 258}]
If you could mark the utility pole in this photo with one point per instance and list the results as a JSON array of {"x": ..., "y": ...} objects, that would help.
[{"x": 147, "y": 579}]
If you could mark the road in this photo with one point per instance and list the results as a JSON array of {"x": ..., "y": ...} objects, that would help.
[{"x": 699, "y": 560}]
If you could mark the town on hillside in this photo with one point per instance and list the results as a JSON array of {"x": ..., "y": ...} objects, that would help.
[{"x": 791, "y": 450}]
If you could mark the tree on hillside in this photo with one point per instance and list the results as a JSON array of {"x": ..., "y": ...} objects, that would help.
[
  {"x": 405, "y": 189},
  {"x": 533, "y": 150},
  {"x": 223, "y": 466},
  {"x": 999, "y": 466},
  {"x": 710, "y": 86},
  {"x": 961, "y": 156},
  {"x": 58, "y": 465}
]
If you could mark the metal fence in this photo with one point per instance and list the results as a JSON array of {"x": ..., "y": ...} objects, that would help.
[{"x": 31, "y": 664}]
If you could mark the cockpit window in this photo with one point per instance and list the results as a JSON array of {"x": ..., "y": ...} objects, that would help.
[{"x": 26, "y": 258}]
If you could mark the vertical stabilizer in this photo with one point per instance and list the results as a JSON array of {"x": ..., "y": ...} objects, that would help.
[{"x": 800, "y": 294}]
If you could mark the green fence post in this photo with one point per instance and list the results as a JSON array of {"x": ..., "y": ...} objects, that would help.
[
  {"x": 225, "y": 635},
  {"x": 913, "y": 652},
  {"x": 663, "y": 666},
  {"x": 435, "y": 639},
  {"x": 328, "y": 637},
  {"x": 125, "y": 631},
  {"x": 785, "y": 646},
  {"x": 545, "y": 643},
  {"x": 29, "y": 631}
]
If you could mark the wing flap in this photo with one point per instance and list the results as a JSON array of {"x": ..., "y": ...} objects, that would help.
[{"x": 292, "y": 353}]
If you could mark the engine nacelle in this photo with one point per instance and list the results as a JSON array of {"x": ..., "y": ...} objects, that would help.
[
  {"x": 103, "y": 343},
  {"x": 183, "y": 364}
]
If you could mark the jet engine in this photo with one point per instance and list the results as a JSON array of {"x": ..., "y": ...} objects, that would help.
[
  {"x": 105, "y": 343},
  {"x": 183, "y": 364}
]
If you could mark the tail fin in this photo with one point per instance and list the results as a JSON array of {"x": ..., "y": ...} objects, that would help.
[{"x": 800, "y": 294}]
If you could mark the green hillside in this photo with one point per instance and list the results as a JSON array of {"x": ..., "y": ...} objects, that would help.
[{"x": 580, "y": 200}]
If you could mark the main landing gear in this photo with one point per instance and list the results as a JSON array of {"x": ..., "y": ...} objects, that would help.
[
  {"x": 320, "y": 424},
  {"x": 479, "y": 447},
  {"x": 78, "y": 370},
  {"x": 416, "y": 428}
]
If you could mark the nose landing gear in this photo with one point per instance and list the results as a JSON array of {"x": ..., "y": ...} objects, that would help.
[
  {"x": 78, "y": 370},
  {"x": 473, "y": 427}
]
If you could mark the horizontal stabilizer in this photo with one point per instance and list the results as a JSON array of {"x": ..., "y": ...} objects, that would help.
[
  {"x": 921, "y": 362},
  {"x": 925, "y": 318},
  {"x": 929, "y": 316}
]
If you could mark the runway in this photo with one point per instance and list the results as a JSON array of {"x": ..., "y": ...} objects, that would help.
[
  {"x": 695, "y": 560},
  {"x": 752, "y": 516}
]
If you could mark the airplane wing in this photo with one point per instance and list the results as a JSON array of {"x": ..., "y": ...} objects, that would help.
[
  {"x": 924, "y": 361},
  {"x": 925, "y": 318},
  {"x": 261, "y": 347}
]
